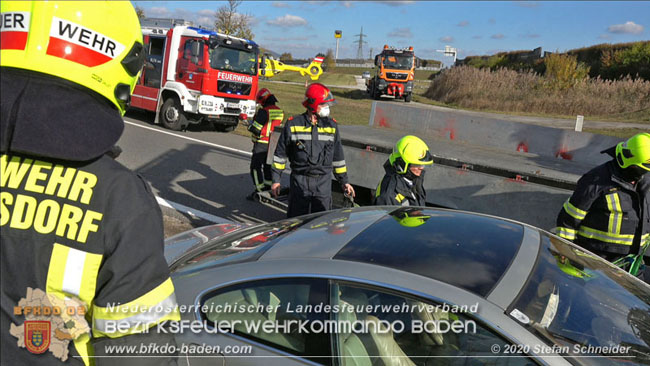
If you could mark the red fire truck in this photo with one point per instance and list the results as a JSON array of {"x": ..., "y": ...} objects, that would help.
[{"x": 194, "y": 75}]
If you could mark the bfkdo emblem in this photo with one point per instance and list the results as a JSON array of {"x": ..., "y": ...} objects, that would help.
[{"x": 37, "y": 335}]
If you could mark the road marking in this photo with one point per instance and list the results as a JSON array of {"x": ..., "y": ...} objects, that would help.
[
  {"x": 190, "y": 211},
  {"x": 242, "y": 152}
]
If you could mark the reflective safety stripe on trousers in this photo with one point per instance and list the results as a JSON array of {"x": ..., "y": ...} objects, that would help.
[{"x": 73, "y": 273}]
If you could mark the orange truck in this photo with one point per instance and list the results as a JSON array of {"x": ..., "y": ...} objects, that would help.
[{"x": 394, "y": 73}]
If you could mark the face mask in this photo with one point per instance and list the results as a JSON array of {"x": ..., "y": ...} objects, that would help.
[
  {"x": 633, "y": 173},
  {"x": 324, "y": 111}
]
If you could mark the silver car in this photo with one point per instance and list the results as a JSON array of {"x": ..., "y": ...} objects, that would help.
[
  {"x": 402, "y": 286},
  {"x": 366, "y": 75}
]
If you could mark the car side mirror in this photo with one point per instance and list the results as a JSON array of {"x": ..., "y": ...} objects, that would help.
[
  {"x": 263, "y": 66},
  {"x": 213, "y": 41},
  {"x": 196, "y": 51},
  {"x": 377, "y": 60}
]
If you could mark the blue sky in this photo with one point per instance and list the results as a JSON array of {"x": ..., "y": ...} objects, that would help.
[{"x": 305, "y": 28}]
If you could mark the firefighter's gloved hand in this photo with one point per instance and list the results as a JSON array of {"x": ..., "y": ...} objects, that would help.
[
  {"x": 275, "y": 189},
  {"x": 348, "y": 190}
]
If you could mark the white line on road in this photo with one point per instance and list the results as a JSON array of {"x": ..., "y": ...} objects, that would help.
[{"x": 247, "y": 153}]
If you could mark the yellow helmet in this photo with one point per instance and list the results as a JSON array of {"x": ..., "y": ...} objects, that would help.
[
  {"x": 410, "y": 217},
  {"x": 634, "y": 151},
  {"x": 96, "y": 44},
  {"x": 410, "y": 150}
]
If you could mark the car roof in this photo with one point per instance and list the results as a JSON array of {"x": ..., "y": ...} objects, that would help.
[{"x": 468, "y": 250}]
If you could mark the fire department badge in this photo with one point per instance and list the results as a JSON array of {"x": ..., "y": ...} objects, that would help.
[{"x": 37, "y": 335}]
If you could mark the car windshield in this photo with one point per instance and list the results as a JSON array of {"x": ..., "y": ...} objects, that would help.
[
  {"x": 585, "y": 305},
  {"x": 235, "y": 60},
  {"x": 398, "y": 62},
  {"x": 242, "y": 246}
]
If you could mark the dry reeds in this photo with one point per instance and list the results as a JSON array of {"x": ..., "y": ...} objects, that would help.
[{"x": 512, "y": 91}]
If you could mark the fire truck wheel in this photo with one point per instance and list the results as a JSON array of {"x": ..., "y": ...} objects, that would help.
[
  {"x": 172, "y": 115},
  {"x": 408, "y": 97},
  {"x": 376, "y": 94}
]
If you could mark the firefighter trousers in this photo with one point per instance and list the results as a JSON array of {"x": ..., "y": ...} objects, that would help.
[
  {"x": 260, "y": 171},
  {"x": 309, "y": 194}
]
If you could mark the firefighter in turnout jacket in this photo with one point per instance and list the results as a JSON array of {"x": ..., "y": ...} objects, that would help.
[
  {"x": 402, "y": 184},
  {"x": 80, "y": 232},
  {"x": 312, "y": 145},
  {"x": 609, "y": 212},
  {"x": 264, "y": 121}
]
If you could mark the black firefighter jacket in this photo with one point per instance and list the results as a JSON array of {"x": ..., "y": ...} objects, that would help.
[
  {"x": 79, "y": 232},
  {"x": 396, "y": 189},
  {"x": 311, "y": 150},
  {"x": 606, "y": 213}
]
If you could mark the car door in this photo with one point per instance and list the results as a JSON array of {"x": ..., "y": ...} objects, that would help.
[
  {"x": 391, "y": 328},
  {"x": 261, "y": 322}
]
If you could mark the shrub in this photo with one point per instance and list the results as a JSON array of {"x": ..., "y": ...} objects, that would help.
[{"x": 563, "y": 71}]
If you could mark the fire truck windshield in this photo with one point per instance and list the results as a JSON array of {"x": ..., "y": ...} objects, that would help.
[
  {"x": 398, "y": 62},
  {"x": 235, "y": 60}
]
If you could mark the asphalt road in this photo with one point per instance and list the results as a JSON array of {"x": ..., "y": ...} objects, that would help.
[{"x": 199, "y": 168}]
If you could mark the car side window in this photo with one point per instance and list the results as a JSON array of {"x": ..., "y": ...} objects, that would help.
[
  {"x": 250, "y": 307},
  {"x": 391, "y": 329}
]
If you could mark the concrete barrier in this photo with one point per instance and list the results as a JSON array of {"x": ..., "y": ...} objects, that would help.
[
  {"x": 482, "y": 164},
  {"x": 472, "y": 129}
]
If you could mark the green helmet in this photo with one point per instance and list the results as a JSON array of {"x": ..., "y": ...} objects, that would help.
[
  {"x": 565, "y": 265},
  {"x": 634, "y": 151},
  {"x": 410, "y": 150}
]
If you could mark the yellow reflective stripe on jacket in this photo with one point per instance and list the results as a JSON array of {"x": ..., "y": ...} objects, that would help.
[
  {"x": 378, "y": 191},
  {"x": 276, "y": 114},
  {"x": 590, "y": 233},
  {"x": 566, "y": 233},
  {"x": 73, "y": 273},
  {"x": 574, "y": 212},
  {"x": 616, "y": 213},
  {"x": 399, "y": 197},
  {"x": 331, "y": 130},
  {"x": 339, "y": 167},
  {"x": 257, "y": 125},
  {"x": 298, "y": 129},
  {"x": 279, "y": 163},
  {"x": 154, "y": 307}
]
